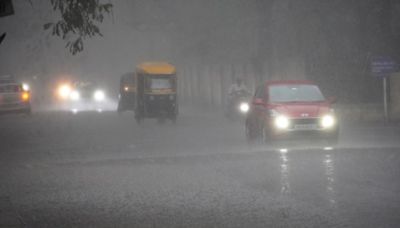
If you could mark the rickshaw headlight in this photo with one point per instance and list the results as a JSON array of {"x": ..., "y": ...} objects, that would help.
[{"x": 171, "y": 97}]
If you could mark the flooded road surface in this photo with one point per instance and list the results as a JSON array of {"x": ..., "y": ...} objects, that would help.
[{"x": 103, "y": 170}]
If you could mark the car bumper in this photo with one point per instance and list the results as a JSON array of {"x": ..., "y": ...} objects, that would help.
[
  {"x": 15, "y": 107},
  {"x": 307, "y": 130},
  {"x": 305, "y": 134}
]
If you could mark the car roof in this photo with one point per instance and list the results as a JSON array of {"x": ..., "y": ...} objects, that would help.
[{"x": 289, "y": 82}]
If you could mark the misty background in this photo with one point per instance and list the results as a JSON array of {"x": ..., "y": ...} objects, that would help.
[{"x": 330, "y": 42}]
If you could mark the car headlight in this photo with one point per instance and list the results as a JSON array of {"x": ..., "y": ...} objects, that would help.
[
  {"x": 64, "y": 91},
  {"x": 99, "y": 95},
  {"x": 282, "y": 122},
  {"x": 25, "y": 87},
  {"x": 75, "y": 95},
  {"x": 328, "y": 121},
  {"x": 244, "y": 107}
]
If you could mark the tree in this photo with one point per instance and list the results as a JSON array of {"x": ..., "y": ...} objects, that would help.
[{"x": 79, "y": 19}]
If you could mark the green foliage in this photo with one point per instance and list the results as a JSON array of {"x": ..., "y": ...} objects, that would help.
[{"x": 79, "y": 19}]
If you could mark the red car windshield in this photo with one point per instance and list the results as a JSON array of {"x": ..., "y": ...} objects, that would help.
[{"x": 295, "y": 93}]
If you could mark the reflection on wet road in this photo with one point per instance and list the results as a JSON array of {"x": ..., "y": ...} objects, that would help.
[
  {"x": 330, "y": 172},
  {"x": 327, "y": 161},
  {"x": 285, "y": 184},
  {"x": 101, "y": 169}
]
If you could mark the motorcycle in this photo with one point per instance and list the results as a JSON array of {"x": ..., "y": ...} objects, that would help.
[{"x": 238, "y": 105}]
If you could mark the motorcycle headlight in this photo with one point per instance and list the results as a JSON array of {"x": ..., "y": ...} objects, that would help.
[
  {"x": 328, "y": 121},
  {"x": 75, "y": 95},
  {"x": 99, "y": 95},
  {"x": 282, "y": 122},
  {"x": 244, "y": 107}
]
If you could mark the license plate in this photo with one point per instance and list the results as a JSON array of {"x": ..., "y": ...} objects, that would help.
[{"x": 305, "y": 126}]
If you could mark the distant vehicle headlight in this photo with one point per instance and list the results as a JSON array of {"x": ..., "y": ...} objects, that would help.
[
  {"x": 282, "y": 122},
  {"x": 244, "y": 107},
  {"x": 99, "y": 95},
  {"x": 25, "y": 87},
  {"x": 64, "y": 91},
  {"x": 328, "y": 121},
  {"x": 75, "y": 95}
]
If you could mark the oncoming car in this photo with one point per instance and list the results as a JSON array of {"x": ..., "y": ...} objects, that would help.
[
  {"x": 82, "y": 96},
  {"x": 14, "y": 97},
  {"x": 284, "y": 108}
]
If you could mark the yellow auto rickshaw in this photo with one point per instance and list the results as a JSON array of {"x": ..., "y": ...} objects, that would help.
[
  {"x": 127, "y": 92},
  {"x": 156, "y": 92}
]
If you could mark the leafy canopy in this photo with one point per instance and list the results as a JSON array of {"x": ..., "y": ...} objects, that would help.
[{"x": 79, "y": 19}]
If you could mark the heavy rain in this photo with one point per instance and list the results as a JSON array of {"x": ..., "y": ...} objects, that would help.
[{"x": 189, "y": 113}]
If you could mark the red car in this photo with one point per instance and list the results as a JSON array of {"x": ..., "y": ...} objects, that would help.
[{"x": 284, "y": 108}]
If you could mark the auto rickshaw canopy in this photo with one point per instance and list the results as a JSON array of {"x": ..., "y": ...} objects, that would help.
[{"x": 159, "y": 68}]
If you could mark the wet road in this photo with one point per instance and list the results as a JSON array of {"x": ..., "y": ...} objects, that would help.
[{"x": 102, "y": 170}]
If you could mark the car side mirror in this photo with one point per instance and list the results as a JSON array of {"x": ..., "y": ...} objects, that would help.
[
  {"x": 258, "y": 101},
  {"x": 332, "y": 100}
]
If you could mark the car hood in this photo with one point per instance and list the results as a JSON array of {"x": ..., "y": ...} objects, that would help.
[{"x": 303, "y": 110}]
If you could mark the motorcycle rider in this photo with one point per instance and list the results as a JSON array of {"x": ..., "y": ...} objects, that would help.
[{"x": 236, "y": 90}]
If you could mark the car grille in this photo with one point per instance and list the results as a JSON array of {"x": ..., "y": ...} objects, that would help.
[
  {"x": 9, "y": 106},
  {"x": 9, "y": 88},
  {"x": 315, "y": 122},
  {"x": 306, "y": 121},
  {"x": 9, "y": 98}
]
